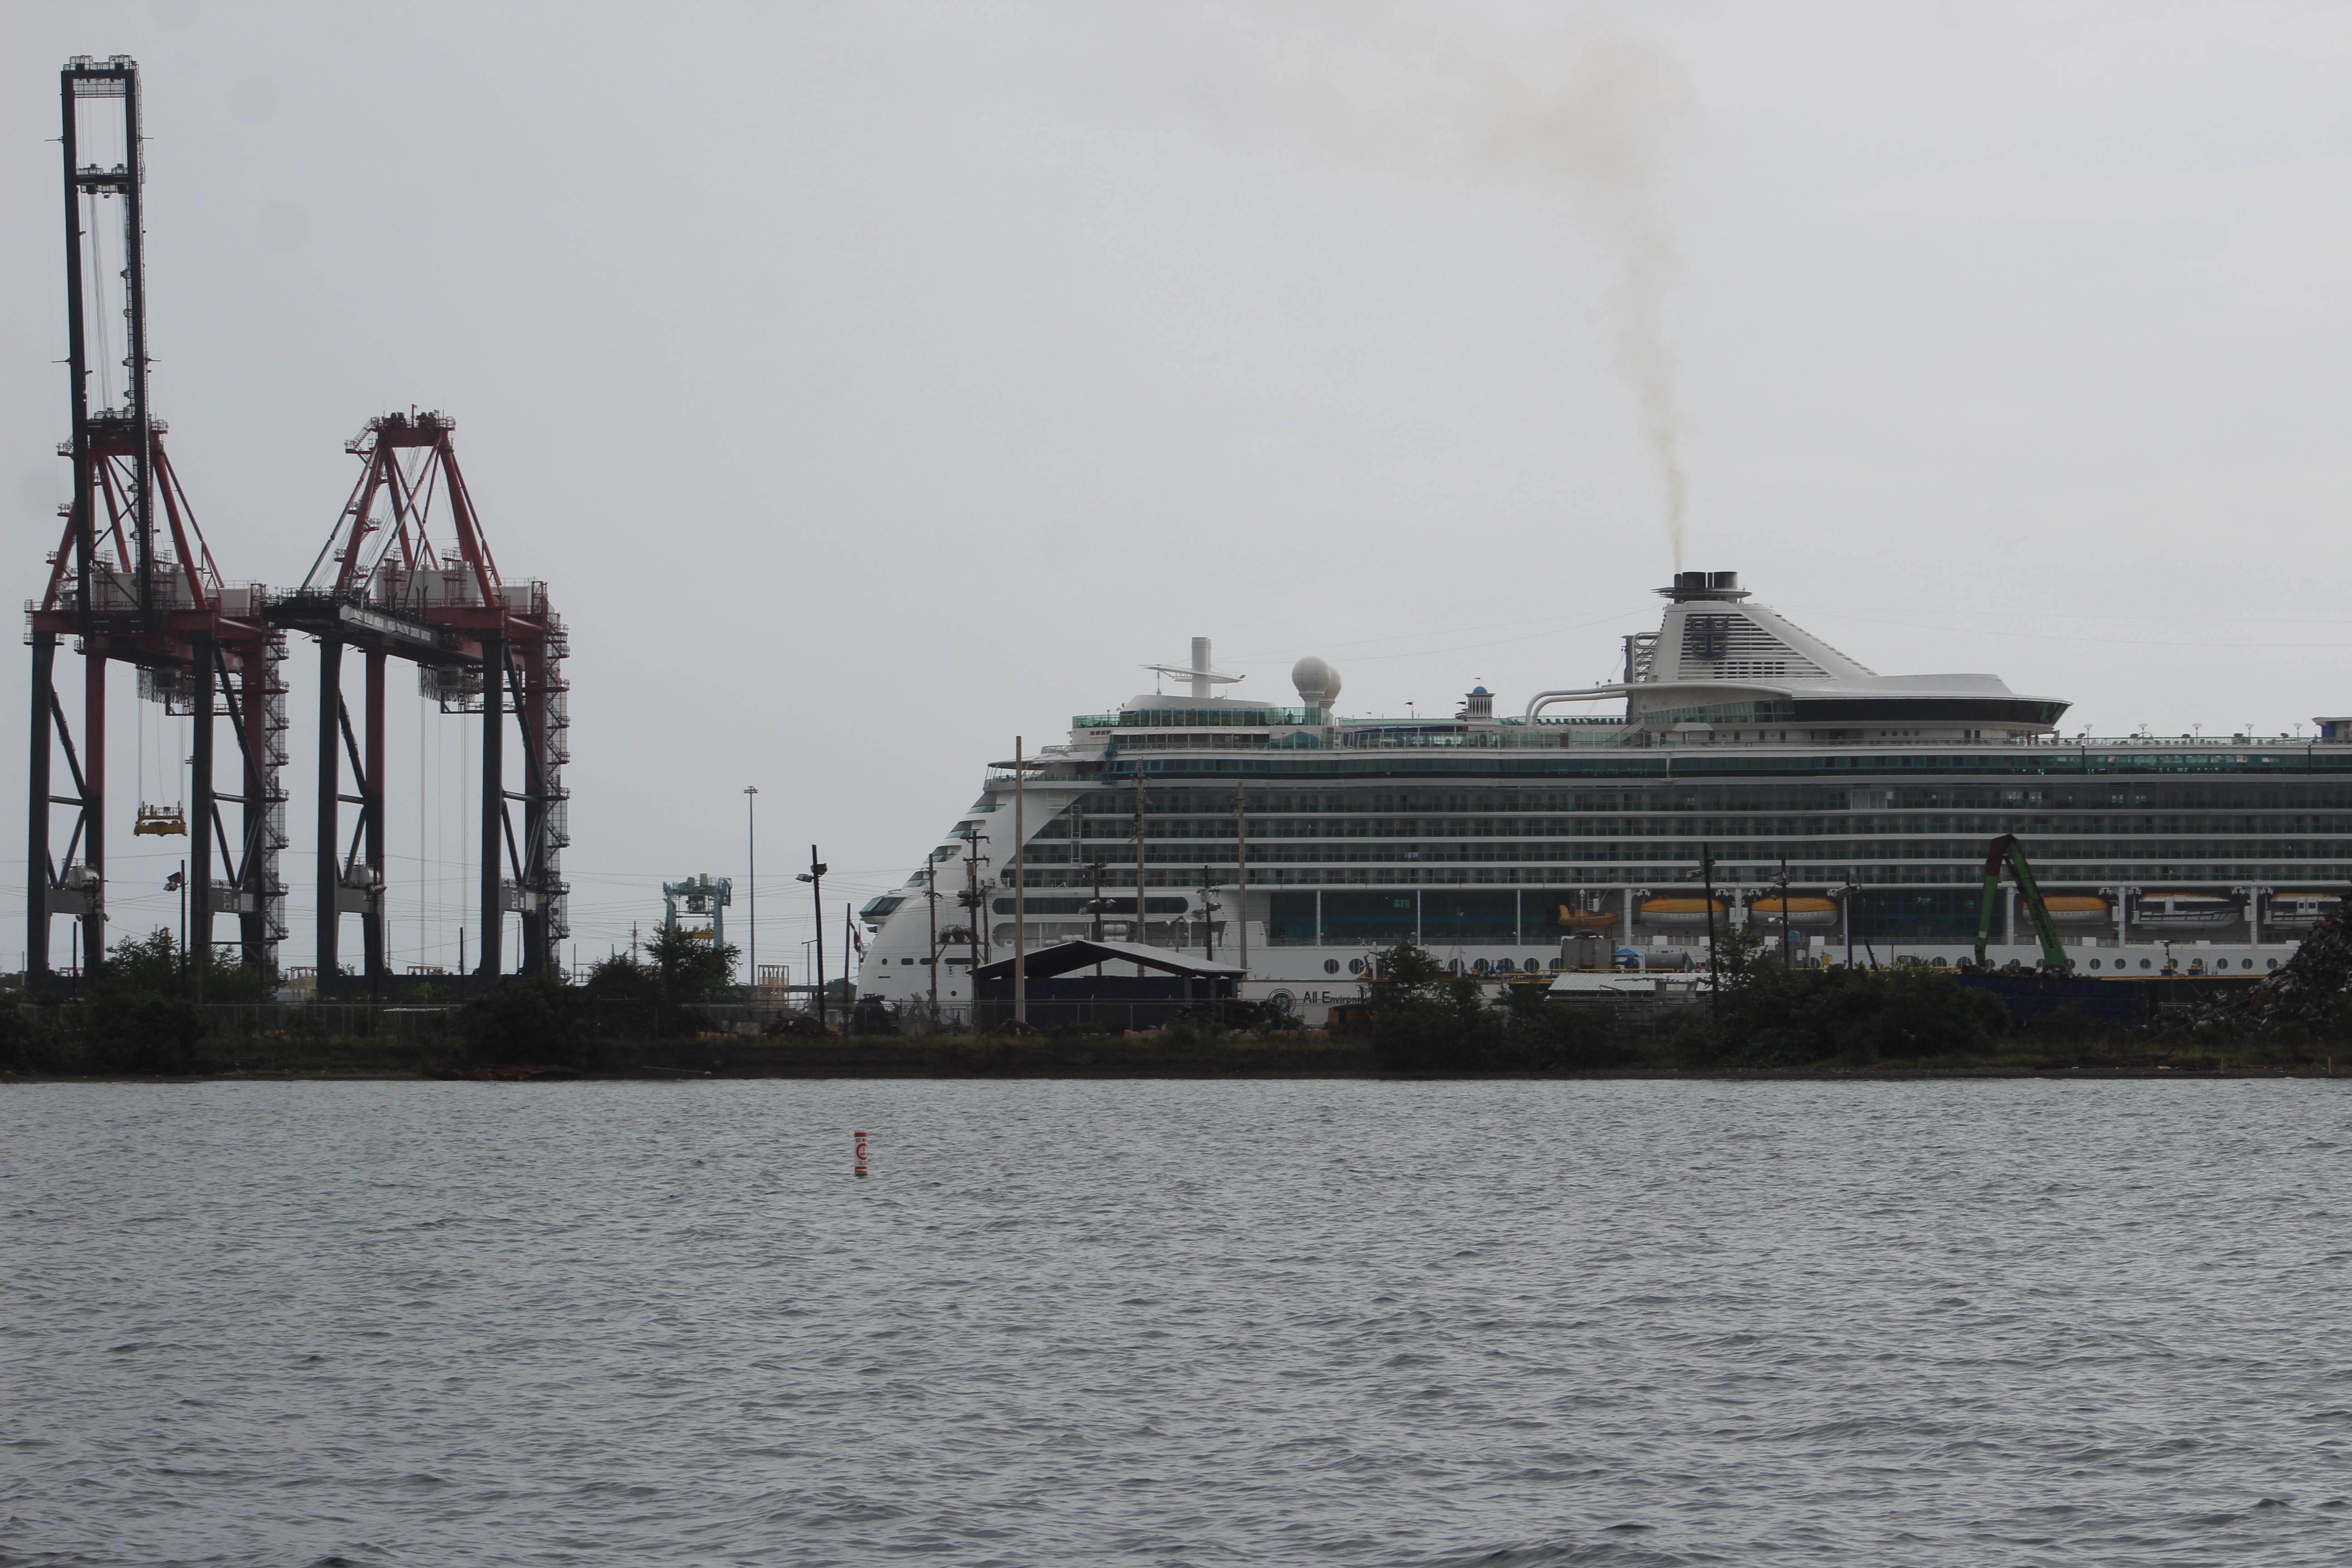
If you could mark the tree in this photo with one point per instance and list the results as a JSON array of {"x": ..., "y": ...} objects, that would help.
[
  {"x": 153, "y": 964},
  {"x": 687, "y": 968},
  {"x": 1741, "y": 959},
  {"x": 1427, "y": 1020},
  {"x": 619, "y": 978}
]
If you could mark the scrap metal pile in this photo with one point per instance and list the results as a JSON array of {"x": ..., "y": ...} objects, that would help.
[{"x": 2308, "y": 989}]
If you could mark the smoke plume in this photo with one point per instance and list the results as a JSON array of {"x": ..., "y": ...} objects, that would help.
[{"x": 1571, "y": 111}]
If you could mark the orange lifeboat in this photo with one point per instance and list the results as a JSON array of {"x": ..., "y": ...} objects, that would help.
[
  {"x": 2076, "y": 909},
  {"x": 1681, "y": 911},
  {"x": 1586, "y": 920},
  {"x": 1800, "y": 912}
]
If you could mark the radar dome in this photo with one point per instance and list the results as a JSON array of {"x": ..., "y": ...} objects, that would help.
[{"x": 1317, "y": 682}]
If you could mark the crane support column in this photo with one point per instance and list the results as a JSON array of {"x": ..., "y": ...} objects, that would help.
[
  {"x": 202, "y": 815},
  {"x": 93, "y": 795},
  {"x": 251, "y": 709},
  {"x": 41, "y": 871},
  {"x": 371, "y": 792},
  {"x": 494, "y": 796},
  {"x": 330, "y": 793},
  {"x": 531, "y": 714}
]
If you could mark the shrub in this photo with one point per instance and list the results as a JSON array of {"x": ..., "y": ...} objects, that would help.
[
  {"x": 1772, "y": 1017},
  {"x": 20, "y": 1038},
  {"x": 134, "y": 1030},
  {"x": 525, "y": 1022},
  {"x": 1551, "y": 1036}
]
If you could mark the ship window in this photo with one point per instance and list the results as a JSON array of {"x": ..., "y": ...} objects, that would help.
[
  {"x": 1331, "y": 966},
  {"x": 2144, "y": 963},
  {"x": 2273, "y": 963},
  {"x": 2095, "y": 963}
]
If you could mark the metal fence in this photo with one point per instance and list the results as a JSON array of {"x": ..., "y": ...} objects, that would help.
[{"x": 321, "y": 1019}]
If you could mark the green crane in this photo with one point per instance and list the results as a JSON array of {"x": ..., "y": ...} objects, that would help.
[{"x": 2053, "y": 952}]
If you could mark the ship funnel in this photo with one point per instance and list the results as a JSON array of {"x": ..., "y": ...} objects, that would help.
[
  {"x": 1689, "y": 585},
  {"x": 1199, "y": 672}
]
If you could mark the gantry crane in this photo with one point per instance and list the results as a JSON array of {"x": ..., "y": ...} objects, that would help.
[
  {"x": 481, "y": 645},
  {"x": 202, "y": 648}
]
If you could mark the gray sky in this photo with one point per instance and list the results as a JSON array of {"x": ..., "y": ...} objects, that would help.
[{"x": 873, "y": 382}]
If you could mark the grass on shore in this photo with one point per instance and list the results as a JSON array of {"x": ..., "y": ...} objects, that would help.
[{"x": 1692, "y": 1051}]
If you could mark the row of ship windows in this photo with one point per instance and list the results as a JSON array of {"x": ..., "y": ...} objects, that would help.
[
  {"x": 1744, "y": 799},
  {"x": 1685, "y": 874},
  {"x": 1260, "y": 854},
  {"x": 1215, "y": 828}
]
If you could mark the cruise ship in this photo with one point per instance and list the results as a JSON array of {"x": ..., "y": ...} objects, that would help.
[{"x": 1741, "y": 770}]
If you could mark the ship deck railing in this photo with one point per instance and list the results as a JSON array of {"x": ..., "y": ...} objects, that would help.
[{"x": 1405, "y": 735}]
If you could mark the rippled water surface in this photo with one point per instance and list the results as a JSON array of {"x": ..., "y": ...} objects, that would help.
[{"x": 1088, "y": 1322}]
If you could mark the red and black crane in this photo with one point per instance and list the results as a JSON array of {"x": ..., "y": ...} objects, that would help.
[
  {"x": 382, "y": 586},
  {"x": 203, "y": 648},
  {"x": 481, "y": 645}
]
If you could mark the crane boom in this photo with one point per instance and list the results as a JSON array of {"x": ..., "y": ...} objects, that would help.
[{"x": 2004, "y": 848}]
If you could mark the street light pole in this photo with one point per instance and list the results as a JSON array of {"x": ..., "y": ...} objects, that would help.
[
  {"x": 931, "y": 902},
  {"x": 1714, "y": 955},
  {"x": 1020, "y": 890},
  {"x": 751, "y": 857},
  {"x": 814, "y": 877}
]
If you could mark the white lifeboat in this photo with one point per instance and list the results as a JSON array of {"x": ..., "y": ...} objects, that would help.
[
  {"x": 2299, "y": 911},
  {"x": 2185, "y": 912}
]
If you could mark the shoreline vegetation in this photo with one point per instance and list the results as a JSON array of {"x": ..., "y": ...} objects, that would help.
[{"x": 654, "y": 1020}]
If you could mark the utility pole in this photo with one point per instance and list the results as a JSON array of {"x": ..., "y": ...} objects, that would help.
[
  {"x": 1208, "y": 919},
  {"x": 931, "y": 902},
  {"x": 1785, "y": 927},
  {"x": 752, "y": 875},
  {"x": 178, "y": 883},
  {"x": 1020, "y": 889},
  {"x": 1093, "y": 870},
  {"x": 974, "y": 902},
  {"x": 1142, "y": 929},
  {"x": 1241, "y": 876},
  {"x": 814, "y": 877},
  {"x": 1713, "y": 969}
]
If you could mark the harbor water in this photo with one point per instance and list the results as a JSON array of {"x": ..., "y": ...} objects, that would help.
[{"x": 1622, "y": 1323}]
